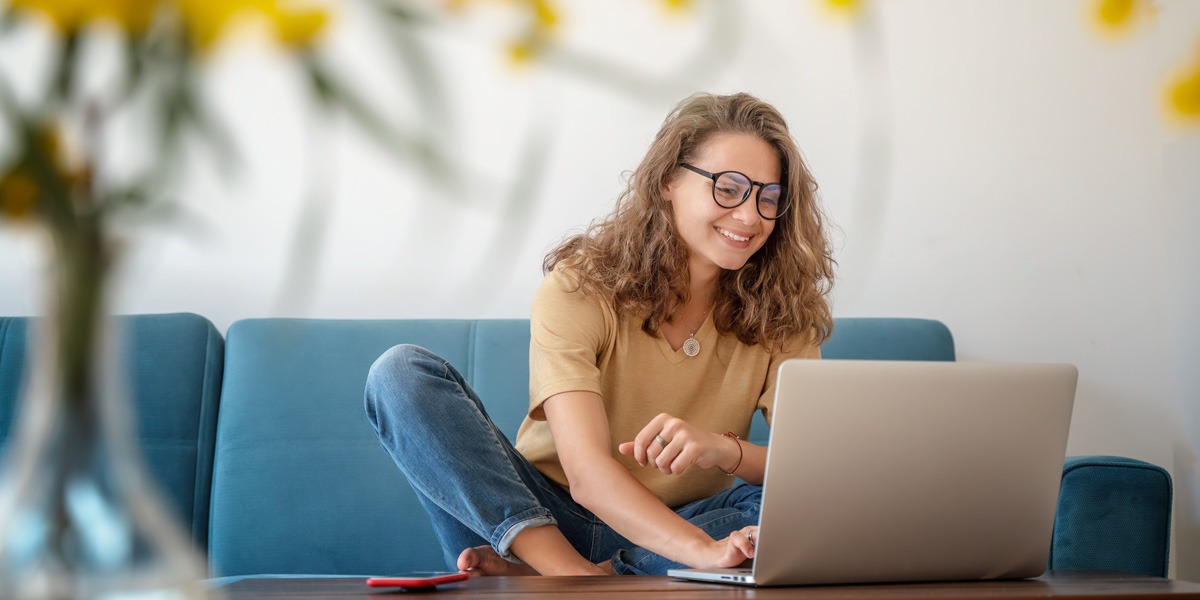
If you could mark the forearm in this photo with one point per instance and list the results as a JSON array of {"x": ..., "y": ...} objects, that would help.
[
  {"x": 753, "y": 463},
  {"x": 605, "y": 487},
  {"x": 615, "y": 496}
]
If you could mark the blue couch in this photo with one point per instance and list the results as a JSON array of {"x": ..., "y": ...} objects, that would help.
[{"x": 263, "y": 449}]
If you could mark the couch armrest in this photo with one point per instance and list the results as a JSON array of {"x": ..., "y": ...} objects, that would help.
[
  {"x": 175, "y": 364},
  {"x": 1114, "y": 513}
]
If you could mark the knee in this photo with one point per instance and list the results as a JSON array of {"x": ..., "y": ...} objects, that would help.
[
  {"x": 401, "y": 359},
  {"x": 393, "y": 379},
  {"x": 747, "y": 497}
]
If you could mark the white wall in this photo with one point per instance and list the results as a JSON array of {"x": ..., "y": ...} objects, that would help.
[{"x": 993, "y": 164}]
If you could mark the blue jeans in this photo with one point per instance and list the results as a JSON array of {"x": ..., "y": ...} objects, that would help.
[{"x": 479, "y": 490}]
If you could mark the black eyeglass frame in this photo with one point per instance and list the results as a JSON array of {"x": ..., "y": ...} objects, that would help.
[{"x": 783, "y": 197}]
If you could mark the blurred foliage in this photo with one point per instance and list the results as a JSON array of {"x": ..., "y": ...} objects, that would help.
[
  {"x": 57, "y": 175},
  {"x": 51, "y": 172},
  {"x": 57, "y": 171},
  {"x": 54, "y": 175}
]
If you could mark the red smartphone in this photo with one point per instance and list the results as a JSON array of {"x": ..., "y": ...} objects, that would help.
[{"x": 418, "y": 579}]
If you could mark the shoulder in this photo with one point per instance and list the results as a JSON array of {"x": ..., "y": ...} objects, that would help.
[
  {"x": 562, "y": 286},
  {"x": 562, "y": 278},
  {"x": 798, "y": 346},
  {"x": 563, "y": 295},
  {"x": 568, "y": 284}
]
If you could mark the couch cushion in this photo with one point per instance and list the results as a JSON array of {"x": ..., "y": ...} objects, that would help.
[
  {"x": 175, "y": 363},
  {"x": 301, "y": 484},
  {"x": 879, "y": 338}
]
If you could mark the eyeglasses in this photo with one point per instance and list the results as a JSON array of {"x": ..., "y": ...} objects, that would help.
[{"x": 731, "y": 188}]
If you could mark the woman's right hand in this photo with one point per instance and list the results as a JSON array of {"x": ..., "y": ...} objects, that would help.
[
  {"x": 671, "y": 445},
  {"x": 732, "y": 551}
]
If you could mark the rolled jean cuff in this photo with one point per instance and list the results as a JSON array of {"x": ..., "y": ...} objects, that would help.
[
  {"x": 621, "y": 563},
  {"x": 504, "y": 535}
]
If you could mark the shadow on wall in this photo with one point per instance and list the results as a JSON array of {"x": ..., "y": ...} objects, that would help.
[{"x": 1186, "y": 521}]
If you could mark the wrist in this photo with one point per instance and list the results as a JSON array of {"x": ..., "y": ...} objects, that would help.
[
  {"x": 735, "y": 460},
  {"x": 698, "y": 550}
]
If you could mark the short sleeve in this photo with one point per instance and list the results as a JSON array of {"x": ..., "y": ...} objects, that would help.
[
  {"x": 569, "y": 329},
  {"x": 797, "y": 348}
]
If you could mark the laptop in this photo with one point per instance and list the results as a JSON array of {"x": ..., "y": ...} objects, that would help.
[{"x": 894, "y": 471}]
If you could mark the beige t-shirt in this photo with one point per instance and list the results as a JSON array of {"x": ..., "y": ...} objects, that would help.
[{"x": 578, "y": 344}]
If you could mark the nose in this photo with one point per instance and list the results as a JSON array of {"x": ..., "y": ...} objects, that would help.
[{"x": 747, "y": 212}]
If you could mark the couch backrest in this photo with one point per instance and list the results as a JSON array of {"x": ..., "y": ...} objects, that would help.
[
  {"x": 175, "y": 363},
  {"x": 300, "y": 483},
  {"x": 862, "y": 338}
]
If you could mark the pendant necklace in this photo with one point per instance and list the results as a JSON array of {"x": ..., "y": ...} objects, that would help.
[{"x": 691, "y": 346}]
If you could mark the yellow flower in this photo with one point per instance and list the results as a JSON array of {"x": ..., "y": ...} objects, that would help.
[
  {"x": 131, "y": 15},
  {"x": 65, "y": 15},
  {"x": 521, "y": 52},
  {"x": 1183, "y": 94},
  {"x": 844, "y": 8},
  {"x": 677, "y": 6},
  {"x": 70, "y": 15},
  {"x": 18, "y": 195},
  {"x": 544, "y": 19},
  {"x": 208, "y": 20},
  {"x": 1115, "y": 14},
  {"x": 539, "y": 19},
  {"x": 297, "y": 26},
  {"x": 547, "y": 15},
  {"x": 1117, "y": 17}
]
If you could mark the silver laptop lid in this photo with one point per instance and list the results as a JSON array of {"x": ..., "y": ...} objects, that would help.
[{"x": 908, "y": 471}]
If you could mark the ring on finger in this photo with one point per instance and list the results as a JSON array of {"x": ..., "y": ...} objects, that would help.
[
  {"x": 750, "y": 536},
  {"x": 662, "y": 442}
]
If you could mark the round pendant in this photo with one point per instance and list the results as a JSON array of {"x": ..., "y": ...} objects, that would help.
[{"x": 691, "y": 347}]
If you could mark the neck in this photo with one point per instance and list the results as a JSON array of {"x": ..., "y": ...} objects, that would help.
[
  {"x": 700, "y": 289},
  {"x": 701, "y": 283}
]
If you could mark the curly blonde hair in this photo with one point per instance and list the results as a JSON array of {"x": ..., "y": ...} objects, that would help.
[{"x": 636, "y": 257}]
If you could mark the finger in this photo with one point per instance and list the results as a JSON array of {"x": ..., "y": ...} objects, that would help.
[
  {"x": 656, "y": 449},
  {"x": 644, "y": 443},
  {"x": 667, "y": 457},
  {"x": 737, "y": 550},
  {"x": 744, "y": 544},
  {"x": 668, "y": 426},
  {"x": 752, "y": 534},
  {"x": 625, "y": 448},
  {"x": 641, "y": 444},
  {"x": 684, "y": 459}
]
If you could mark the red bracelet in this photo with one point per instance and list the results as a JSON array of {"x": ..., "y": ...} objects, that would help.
[{"x": 735, "y": 438}]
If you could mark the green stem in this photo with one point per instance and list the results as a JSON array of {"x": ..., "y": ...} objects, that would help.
[{"x": 82, "y": 265}]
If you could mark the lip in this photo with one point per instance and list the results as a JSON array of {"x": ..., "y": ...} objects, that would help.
[{"x": 721, "y": 231}]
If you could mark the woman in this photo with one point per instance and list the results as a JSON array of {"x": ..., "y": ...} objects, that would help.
[{"x": 654, "y": 337}]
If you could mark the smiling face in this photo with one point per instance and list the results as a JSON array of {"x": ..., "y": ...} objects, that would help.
[{"x": 722, "y": 238}]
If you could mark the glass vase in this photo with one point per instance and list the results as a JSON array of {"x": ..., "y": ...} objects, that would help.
[{"x": 79, "y": 517}]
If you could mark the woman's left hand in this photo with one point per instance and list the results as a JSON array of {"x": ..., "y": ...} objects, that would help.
[{"x": 672, "y": 445}]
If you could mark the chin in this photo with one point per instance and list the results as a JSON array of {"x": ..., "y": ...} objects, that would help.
[
  {"x": 735, "y": 263},
  {"x": 732, "y": 265}
]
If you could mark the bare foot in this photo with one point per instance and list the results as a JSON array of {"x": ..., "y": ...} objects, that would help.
[{"x": 483, "y": 560}]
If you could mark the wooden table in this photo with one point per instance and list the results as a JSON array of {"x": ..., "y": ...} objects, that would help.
[{"x": 1052, "y": 585}]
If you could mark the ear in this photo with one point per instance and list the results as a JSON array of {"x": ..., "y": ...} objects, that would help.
[{"x": 668, "y": 189}]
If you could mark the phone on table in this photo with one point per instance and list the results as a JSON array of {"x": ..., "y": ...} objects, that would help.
[{"x": 418, "y": 579}]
